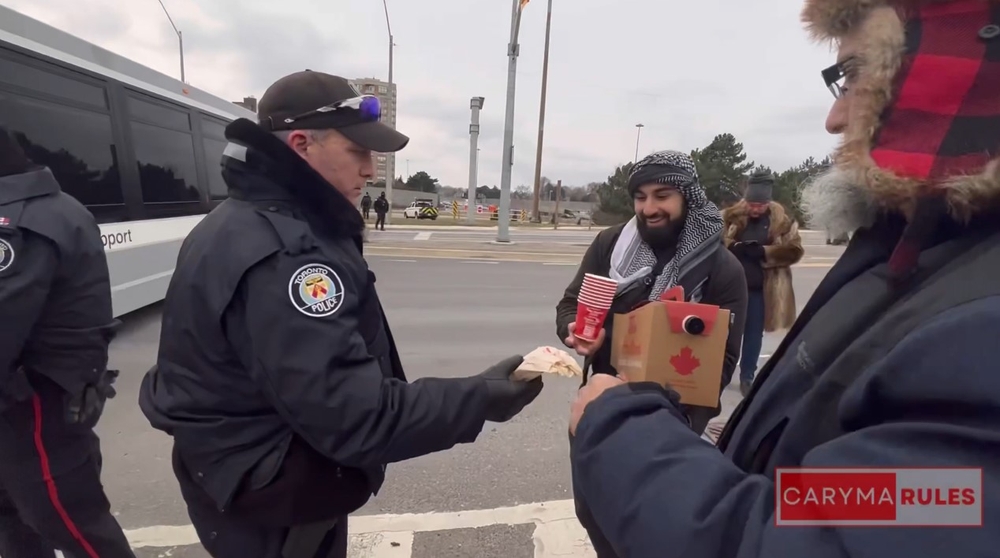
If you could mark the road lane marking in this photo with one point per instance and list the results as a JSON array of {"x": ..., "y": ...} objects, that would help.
[
  {"x": 381, "y": 545},
  {"x": 487, "y": 262},
  {"x": 556, "y": 529},
  {"x": 423, "y": 236}
]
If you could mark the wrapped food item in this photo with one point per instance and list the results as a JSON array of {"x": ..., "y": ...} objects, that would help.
[{"x": 547, "y": 360}]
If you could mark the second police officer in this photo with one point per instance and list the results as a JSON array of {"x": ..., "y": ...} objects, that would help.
[
  {"x": 55, "y": 307},
  {"x": 277, "y": 374}
]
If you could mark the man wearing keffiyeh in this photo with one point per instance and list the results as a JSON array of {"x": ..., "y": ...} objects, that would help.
[
  {"x": 675, "y": 238},
  {"x": 893, "y": 361}
]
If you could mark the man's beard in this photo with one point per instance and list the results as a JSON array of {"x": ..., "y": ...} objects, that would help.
[
  {"x": 663, "y": 235},
  {"x": 835, "y": 202}
]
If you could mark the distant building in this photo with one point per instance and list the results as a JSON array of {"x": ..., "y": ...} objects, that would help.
[
  {"x": 249, "y": 103},
  {"x": 384, "y": 163}
]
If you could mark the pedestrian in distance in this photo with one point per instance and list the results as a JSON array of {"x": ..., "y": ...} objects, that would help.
[
  {"x": 55, "y": 306},
  {"x": 765, "y": 238},
  {"x": 366, "y": 205},
  {"x": 277, "y": 375},
  {"x": 381, "y": 209}
]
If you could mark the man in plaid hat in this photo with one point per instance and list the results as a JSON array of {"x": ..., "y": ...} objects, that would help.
[{"x": 892, "y": 363}]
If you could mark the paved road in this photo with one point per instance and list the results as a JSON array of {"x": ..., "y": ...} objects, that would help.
[
  {"x": 560, "y": 246},
  {"x": 577, "y": 237},
  {"x": 506, "y": 495}
]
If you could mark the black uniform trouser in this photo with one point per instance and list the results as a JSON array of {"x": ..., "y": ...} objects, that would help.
[
  {"x": 256, "y": 524},
  {"x": 380, "y": 220},
  {"x": 50, "y": 483},
  {"x": 366, "y": 211}
]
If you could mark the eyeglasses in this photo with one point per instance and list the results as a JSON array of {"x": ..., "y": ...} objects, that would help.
[
  {"x": 834, "y": 74},
  {"x": 368, "y": 106}
]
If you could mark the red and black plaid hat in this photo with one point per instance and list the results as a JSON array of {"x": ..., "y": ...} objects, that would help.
[
  {"x": 923, "y": 130},
  {"x": 944, "y": 119}
]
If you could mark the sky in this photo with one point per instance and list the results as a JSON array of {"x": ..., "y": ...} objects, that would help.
[{"x": 686, "y": 70}]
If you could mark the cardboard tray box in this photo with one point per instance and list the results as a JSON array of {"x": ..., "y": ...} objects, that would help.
[{"x": 673, "y": 343}]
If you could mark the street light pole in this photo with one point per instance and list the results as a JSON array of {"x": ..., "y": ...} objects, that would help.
[
  {"x": 513, "y": 49},
  {"x": 180, "y": 38},
  {"x": 535, "y": 215},
  {"x": 470, "y": 197},
  {"x": 390, "y": 166},
  {"x": 638, "y": 130}
]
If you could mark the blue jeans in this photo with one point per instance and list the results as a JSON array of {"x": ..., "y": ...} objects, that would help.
[{"x": 753, "y": 336}]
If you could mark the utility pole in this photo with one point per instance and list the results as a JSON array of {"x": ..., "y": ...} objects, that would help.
[
  {"x": 477, "y": 105},
  {"x": 180, "y": 38},
  {"x": 535, "y": 215},
  {"x": 513, "y": 49},
  {"x": 390, "y": 167}
]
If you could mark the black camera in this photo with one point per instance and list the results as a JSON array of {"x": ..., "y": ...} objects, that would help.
[{"x": 693, "y": 325}]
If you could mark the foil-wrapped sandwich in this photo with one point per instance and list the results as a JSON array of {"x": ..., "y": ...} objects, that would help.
[{"x": 547, "y": 360}]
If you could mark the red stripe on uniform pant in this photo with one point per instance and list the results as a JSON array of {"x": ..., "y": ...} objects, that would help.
[{"x": 50, "y": 483}]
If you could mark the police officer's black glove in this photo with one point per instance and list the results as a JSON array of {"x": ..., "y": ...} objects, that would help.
[
  {"x": 507, "y": 396},
  {"x": 85, "y": 408}
]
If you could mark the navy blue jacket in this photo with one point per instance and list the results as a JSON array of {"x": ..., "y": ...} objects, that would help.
[{"x": 656, "y": 489}]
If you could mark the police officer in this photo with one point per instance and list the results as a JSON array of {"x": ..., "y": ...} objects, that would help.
[
  {"x": 55, "y": 307},
  {"x": 277, "y": 374}
]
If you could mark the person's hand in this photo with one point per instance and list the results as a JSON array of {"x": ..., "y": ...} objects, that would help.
[
  {"x": 507, "y": 396},
  {"x": 598, "y": 384},
  {"x": 754, "y": 251},
  {"x": 583, "y": 347}
]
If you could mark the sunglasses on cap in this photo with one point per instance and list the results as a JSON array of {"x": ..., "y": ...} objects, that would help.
[
  {"x": 835, "y": 73},
  {"x": 368, "y": 106}
]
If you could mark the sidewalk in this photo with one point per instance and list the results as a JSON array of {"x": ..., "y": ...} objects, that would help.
[{"x": 488, "y": 228}]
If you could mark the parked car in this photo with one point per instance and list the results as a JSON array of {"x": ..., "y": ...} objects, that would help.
[{"x": 421, "y": 209}]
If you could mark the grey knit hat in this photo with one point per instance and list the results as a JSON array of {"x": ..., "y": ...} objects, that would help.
[{"x": 760, "y": 188}]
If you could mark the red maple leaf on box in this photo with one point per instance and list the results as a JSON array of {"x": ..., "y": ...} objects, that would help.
[{"x": 684, "y": 362}]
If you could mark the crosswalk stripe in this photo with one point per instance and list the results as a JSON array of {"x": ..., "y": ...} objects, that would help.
[{"x": 557, "y": 531}]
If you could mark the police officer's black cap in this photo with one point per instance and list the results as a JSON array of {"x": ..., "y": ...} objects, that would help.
[{"x": 300, "y": 93}]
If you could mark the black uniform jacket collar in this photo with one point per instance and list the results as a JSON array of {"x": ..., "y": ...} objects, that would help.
[
  {"x": 270, "y": 171},
  {"x": 31, "y": 184}
]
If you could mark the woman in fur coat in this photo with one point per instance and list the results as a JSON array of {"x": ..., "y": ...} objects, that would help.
[{"x": 766, "y": 240}]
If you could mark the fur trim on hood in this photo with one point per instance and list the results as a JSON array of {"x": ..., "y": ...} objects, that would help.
[{"x": 880, "y": 26}]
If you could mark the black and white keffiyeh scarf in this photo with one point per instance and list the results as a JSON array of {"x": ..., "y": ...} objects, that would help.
[{"x": 632, "y": 259}]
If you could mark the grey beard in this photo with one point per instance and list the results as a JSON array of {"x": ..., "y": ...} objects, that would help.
[{"x": 834, "y": 202}]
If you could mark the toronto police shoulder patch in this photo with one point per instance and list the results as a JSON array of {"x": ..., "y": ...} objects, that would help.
[
  {"x": 316, "y": 290},
  {"x": 6, "y": 255}
]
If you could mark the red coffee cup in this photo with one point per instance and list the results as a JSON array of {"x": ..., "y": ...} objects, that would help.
[{"x": 589, "y": 321}]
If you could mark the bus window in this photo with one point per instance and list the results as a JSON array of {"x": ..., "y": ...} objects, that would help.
[
  {"x": 213, "y": 160},
  {"x": 158, "y": 114},
  {"x": 76, "y": 144},
  {"x": 48, "y": 82},
  {"x": 167, "y": 169}
]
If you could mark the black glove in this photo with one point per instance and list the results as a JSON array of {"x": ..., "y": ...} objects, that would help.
[
  {"x": 754, "y": 251},
  {"x": 85, "y": 408},
  {"x": 507, "y": 396}
]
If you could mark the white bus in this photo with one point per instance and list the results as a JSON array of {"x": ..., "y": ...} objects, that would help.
[{"x": 141, "y": 150}]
